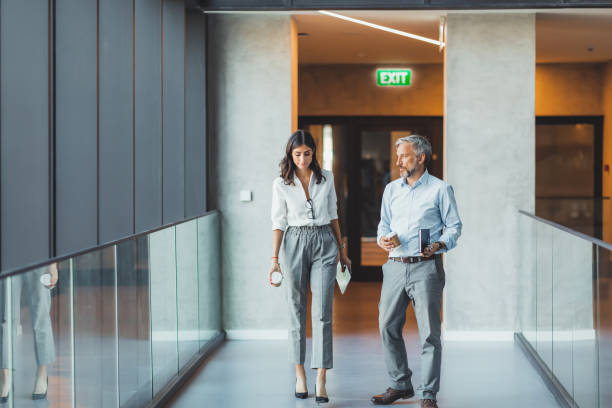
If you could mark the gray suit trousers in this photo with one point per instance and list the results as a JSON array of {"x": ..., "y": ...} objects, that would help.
[
  {"x": 421, "y": 283},
  {"x": 309, "y": 259}
]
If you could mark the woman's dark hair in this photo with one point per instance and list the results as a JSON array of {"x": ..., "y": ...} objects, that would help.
[{"x": 297, "y": 139}]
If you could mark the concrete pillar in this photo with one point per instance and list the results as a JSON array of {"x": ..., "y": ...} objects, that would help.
[
  {"x": 490, "y": 161},
  {"x": 250, "y": 83}
]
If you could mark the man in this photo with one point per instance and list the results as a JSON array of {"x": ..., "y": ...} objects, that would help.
[{"x": 415, "y": 201}]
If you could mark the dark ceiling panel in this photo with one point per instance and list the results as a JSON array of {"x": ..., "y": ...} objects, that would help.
[
  {"x": 393, "y": 4},
  {"x": 355, "y": 4},
  {"x": 245, "y": 4}
]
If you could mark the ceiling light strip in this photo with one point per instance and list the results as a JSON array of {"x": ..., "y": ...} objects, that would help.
[{"x": 383, "y": 28}]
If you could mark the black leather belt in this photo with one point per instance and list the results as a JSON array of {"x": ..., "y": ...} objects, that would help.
[{"x": 411, "y": 259}]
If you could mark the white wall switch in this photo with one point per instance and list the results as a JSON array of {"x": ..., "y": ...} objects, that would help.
[{"x": 246, "y": 195}]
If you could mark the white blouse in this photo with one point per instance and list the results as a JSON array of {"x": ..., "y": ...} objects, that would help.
[{"x": 289, "y": 206}]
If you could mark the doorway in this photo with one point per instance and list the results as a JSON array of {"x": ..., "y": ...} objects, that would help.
[
  {"x": 360, "y": 150},
  {"x": 569, "y": 172}
]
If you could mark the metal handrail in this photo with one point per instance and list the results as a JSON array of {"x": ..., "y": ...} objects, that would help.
[
  {"x": 570, "y": 231},
  {"x": 40, "y": 264}
]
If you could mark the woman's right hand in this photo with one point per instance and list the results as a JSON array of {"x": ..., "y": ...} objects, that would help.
[{"x": 275, "y": 267}]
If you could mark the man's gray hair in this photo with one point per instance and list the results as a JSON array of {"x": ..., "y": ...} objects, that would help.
[{"x": 419, "y": 143}]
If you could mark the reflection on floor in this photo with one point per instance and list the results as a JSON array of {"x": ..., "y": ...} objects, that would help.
[{"x": 256, "y": 373}]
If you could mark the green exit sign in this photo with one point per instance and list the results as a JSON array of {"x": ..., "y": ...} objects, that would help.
[{"x": 393, "y": 77}]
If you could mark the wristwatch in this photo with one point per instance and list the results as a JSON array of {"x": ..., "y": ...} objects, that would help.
[{"x": 440, "y": 244}]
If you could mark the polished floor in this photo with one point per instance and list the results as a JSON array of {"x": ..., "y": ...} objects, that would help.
[{"x": 256, "y": 373}]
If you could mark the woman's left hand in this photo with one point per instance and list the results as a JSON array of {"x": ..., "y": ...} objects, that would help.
[
  {"x": 54, "y": 275},
  {"x": 345, "y": 261}
]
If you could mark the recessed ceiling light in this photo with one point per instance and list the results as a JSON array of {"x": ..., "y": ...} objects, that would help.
[
  {"x": 361, "y": 54},
  {"x": 383, "y": 28}
]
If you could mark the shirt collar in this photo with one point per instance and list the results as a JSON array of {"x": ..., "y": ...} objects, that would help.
[{"x": 422, "y": 180}]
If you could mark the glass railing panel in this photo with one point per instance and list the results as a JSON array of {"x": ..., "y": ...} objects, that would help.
[
  {"x": 164, "y": 330},
  {"x": 95, "y": 329},
  {"x": 209, "y": 288},
  {"x": 187, "y": 289},
  {"x": 580, "y": 263},
  {"x": 61, "y": 371},
  {"x": 527, "y": 281},
  {"x": 569, "y": 253},
  {"x": 604, "y": 292},
  {"x": 576, "y": 266},
  {"x": 133, "y": 321},
  {"x": 544, "y": 285},
  {"x": 32, "y": 325},
  {"x": 118, "y": 325}
]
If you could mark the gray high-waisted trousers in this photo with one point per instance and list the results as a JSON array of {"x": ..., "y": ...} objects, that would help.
[
  {"x": 38, "y": 300},
  {"x": 309, "y": 258},
  {"x": 421, "y": 283}
]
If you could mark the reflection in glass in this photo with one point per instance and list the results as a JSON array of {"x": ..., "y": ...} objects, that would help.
[
  {"x": 164, "y": 334},
  {"x": 544, "y": 292},
  {"x": 209, "y": 282},
  {"x": 27, "y": 350},
  {"x": 133, "y": 323},
  {"x": 118, "y": 322},
  {"x": 95, "y": 329},
  {"x": 527, "y": 288},
  {"x": 187, "y": 287},
  {"x": 568, "y": 253}
]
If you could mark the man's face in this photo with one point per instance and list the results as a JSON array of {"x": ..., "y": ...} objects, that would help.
[{"x": 407, "y": 161}]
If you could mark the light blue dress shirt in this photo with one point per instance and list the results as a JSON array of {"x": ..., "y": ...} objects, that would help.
[{"x": 429, "y": 204}]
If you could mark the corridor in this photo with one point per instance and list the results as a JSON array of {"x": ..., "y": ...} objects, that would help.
[{"x": 256, "y": 373}]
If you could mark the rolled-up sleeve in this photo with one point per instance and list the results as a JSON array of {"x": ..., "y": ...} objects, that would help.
[
  {"x": 332, "y": 200},
  {"x": 384, "y": 226},
  {"x": 279, "y": 208},
  {"x": 450, "y": 218}
]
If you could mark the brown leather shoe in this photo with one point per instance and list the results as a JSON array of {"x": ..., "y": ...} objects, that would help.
[
  {"x": 428, "y": 403},
  {"x": 391, "y": 395}
]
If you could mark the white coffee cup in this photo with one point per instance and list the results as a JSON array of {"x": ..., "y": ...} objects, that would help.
[
  {"x": 45, "y": 279},
  {"x": 276, "y": 278}
]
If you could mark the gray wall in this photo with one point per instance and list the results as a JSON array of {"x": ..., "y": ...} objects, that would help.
[
  {"x": 93, "y": 122},
  {"x": 24, "y": 131},
  {"x": 250, "y": 91},
  {"x": 490, "y": 161}
]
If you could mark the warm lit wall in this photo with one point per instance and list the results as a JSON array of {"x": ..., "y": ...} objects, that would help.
[
  {"x": 351, "y": 90},
  {"x": 568, "y": 89},
  {"x": 561, "y": 90},
  {"x": 607, "y": 151}
]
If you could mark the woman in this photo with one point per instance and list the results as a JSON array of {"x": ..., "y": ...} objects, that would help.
[{"x": 304, "y": 212}]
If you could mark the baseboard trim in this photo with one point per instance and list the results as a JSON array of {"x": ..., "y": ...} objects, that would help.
[
  {"x": 477, "y": 335},
  {"x": 256, "y": 334}
]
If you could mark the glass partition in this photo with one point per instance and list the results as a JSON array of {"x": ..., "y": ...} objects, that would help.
[
  {"x": 111, "y": 327},
  {"x": 562, "y": 313}
]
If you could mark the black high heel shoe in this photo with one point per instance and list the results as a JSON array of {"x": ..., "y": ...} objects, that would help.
[
  {"x": 300, "y": 395},
  {"x": 4, "y": 400},
  {"x": 320, "y": 400},
  {"x": 41, "y": 396}
]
